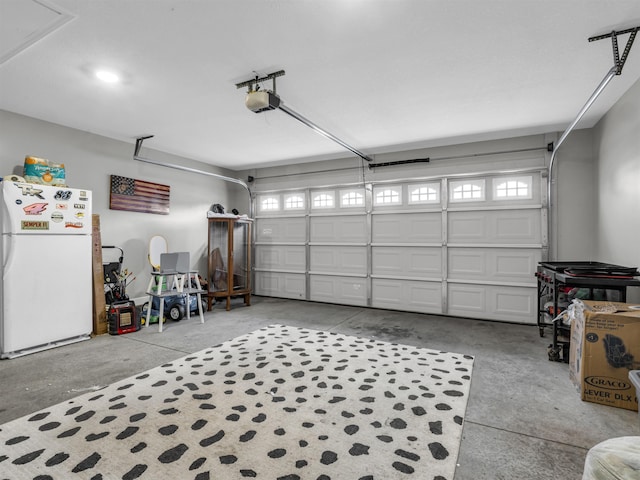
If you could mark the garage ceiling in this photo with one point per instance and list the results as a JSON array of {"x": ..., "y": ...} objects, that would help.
[{"x": 382, "y": 75}]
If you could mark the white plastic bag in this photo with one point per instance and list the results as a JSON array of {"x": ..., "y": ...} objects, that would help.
[{"x": 614, "y": 459}]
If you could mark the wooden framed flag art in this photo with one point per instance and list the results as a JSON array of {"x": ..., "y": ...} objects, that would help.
[{"x": 139, "y": 196}]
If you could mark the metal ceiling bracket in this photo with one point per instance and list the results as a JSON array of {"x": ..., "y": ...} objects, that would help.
[
  {"x": 253, "y": 84},
  {"x": 617, "y": 60},
  {"x": 139, "y": 141}
]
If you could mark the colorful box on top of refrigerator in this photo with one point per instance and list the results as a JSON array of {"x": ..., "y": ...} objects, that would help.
[
  {"x": 44, "y": 172},
  {"x": 46, "y": 279}
]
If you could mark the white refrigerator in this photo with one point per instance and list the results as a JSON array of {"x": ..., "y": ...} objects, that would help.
[{"x": 46, "y": 282}]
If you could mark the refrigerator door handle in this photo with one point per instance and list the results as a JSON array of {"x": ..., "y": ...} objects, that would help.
[{"x": 8, "y": 252}]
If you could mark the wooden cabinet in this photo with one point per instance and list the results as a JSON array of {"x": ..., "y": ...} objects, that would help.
[{"x": 229, "y": 259}]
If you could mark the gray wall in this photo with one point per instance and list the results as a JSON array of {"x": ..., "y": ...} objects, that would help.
[
  {"x": 91, "y": 159},
  {"x": 617, "y": 149},
  {"x": 574, "y": 199}
]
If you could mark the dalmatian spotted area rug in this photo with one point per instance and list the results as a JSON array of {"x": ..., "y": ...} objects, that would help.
[{"x": 280, "y": 403}]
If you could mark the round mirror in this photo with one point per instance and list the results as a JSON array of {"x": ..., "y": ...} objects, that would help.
[{"x": 157, "y": 245}]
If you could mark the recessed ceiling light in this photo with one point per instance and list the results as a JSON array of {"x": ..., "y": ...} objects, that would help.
[{"x": 108, "y": 77}]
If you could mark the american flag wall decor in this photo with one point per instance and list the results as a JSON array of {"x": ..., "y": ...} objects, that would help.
[{"x": 139, "y": 196}]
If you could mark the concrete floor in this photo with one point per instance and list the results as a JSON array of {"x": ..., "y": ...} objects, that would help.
[{"x": 524, "y": 418}]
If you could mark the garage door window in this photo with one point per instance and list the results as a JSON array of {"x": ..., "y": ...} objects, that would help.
[
  {"x": 512, "y": 187},
  {"x": 426, "y": 193},
  {"x": 269, "y": 203},
  {"x": 388, "y": 196},
  {"x": 323, "y": 200},
  {"x": 295, "y": 201},
  {"x": 467, "y": 191},
  {"x": 351, "y": 198}
]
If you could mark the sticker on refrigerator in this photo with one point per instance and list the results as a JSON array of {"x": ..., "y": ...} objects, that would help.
[
  {"x": 79, "y": 214},
  {"x": 34, "y": 225},
  {"x": 61, "y": 206},
  {"x": 73, "y": 225},
  {"x": 35, "y": 208},
  {"x": 62, "y": 195},
  {"x": 79, "y": 206},
  {"x": 29, "y": 190},
  {"x": 57, "y": 217},
  {"x": 83, "y": 196}
]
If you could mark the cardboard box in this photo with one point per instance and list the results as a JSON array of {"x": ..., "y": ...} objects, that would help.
[
  {"x": 605, "y": 346},
  {"x": 100, "y": 320}
]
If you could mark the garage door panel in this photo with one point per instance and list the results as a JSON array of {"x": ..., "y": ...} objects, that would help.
[
  {"x": 493, "y": 264},
  {"x": 517, "y": 265},
  {"x": 493, "y": 302},
  {"x": 466, "y": 300},
  {"x": 350, "y": 228},
  {"x": 495, "y": 227},
  {"x": 513, "y": 304},
  {"x": 338, "y": 259},
  {"x": 277, "y": 284},
  {"x": 341, "y": 290},
  {"x": 466, "y": 227},
  {"x": 281, "y": 257},
  {"x": 418, "y": 262},
  {"x": 407, "y": 228},
  {"x": 407, "y": 295},
  {"x": 275, "y": 230},
  {"x": 516, "y": 226}
]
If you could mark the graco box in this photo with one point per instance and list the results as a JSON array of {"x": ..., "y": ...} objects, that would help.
[{"x": 605, "y": 347}]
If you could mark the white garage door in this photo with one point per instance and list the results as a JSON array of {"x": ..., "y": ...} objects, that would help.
[{"x": 461, "y": 246}]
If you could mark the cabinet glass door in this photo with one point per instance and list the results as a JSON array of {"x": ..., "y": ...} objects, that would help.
[
  {"x": 218, "y": 256},
  {"x": 240, "y": 256}
]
